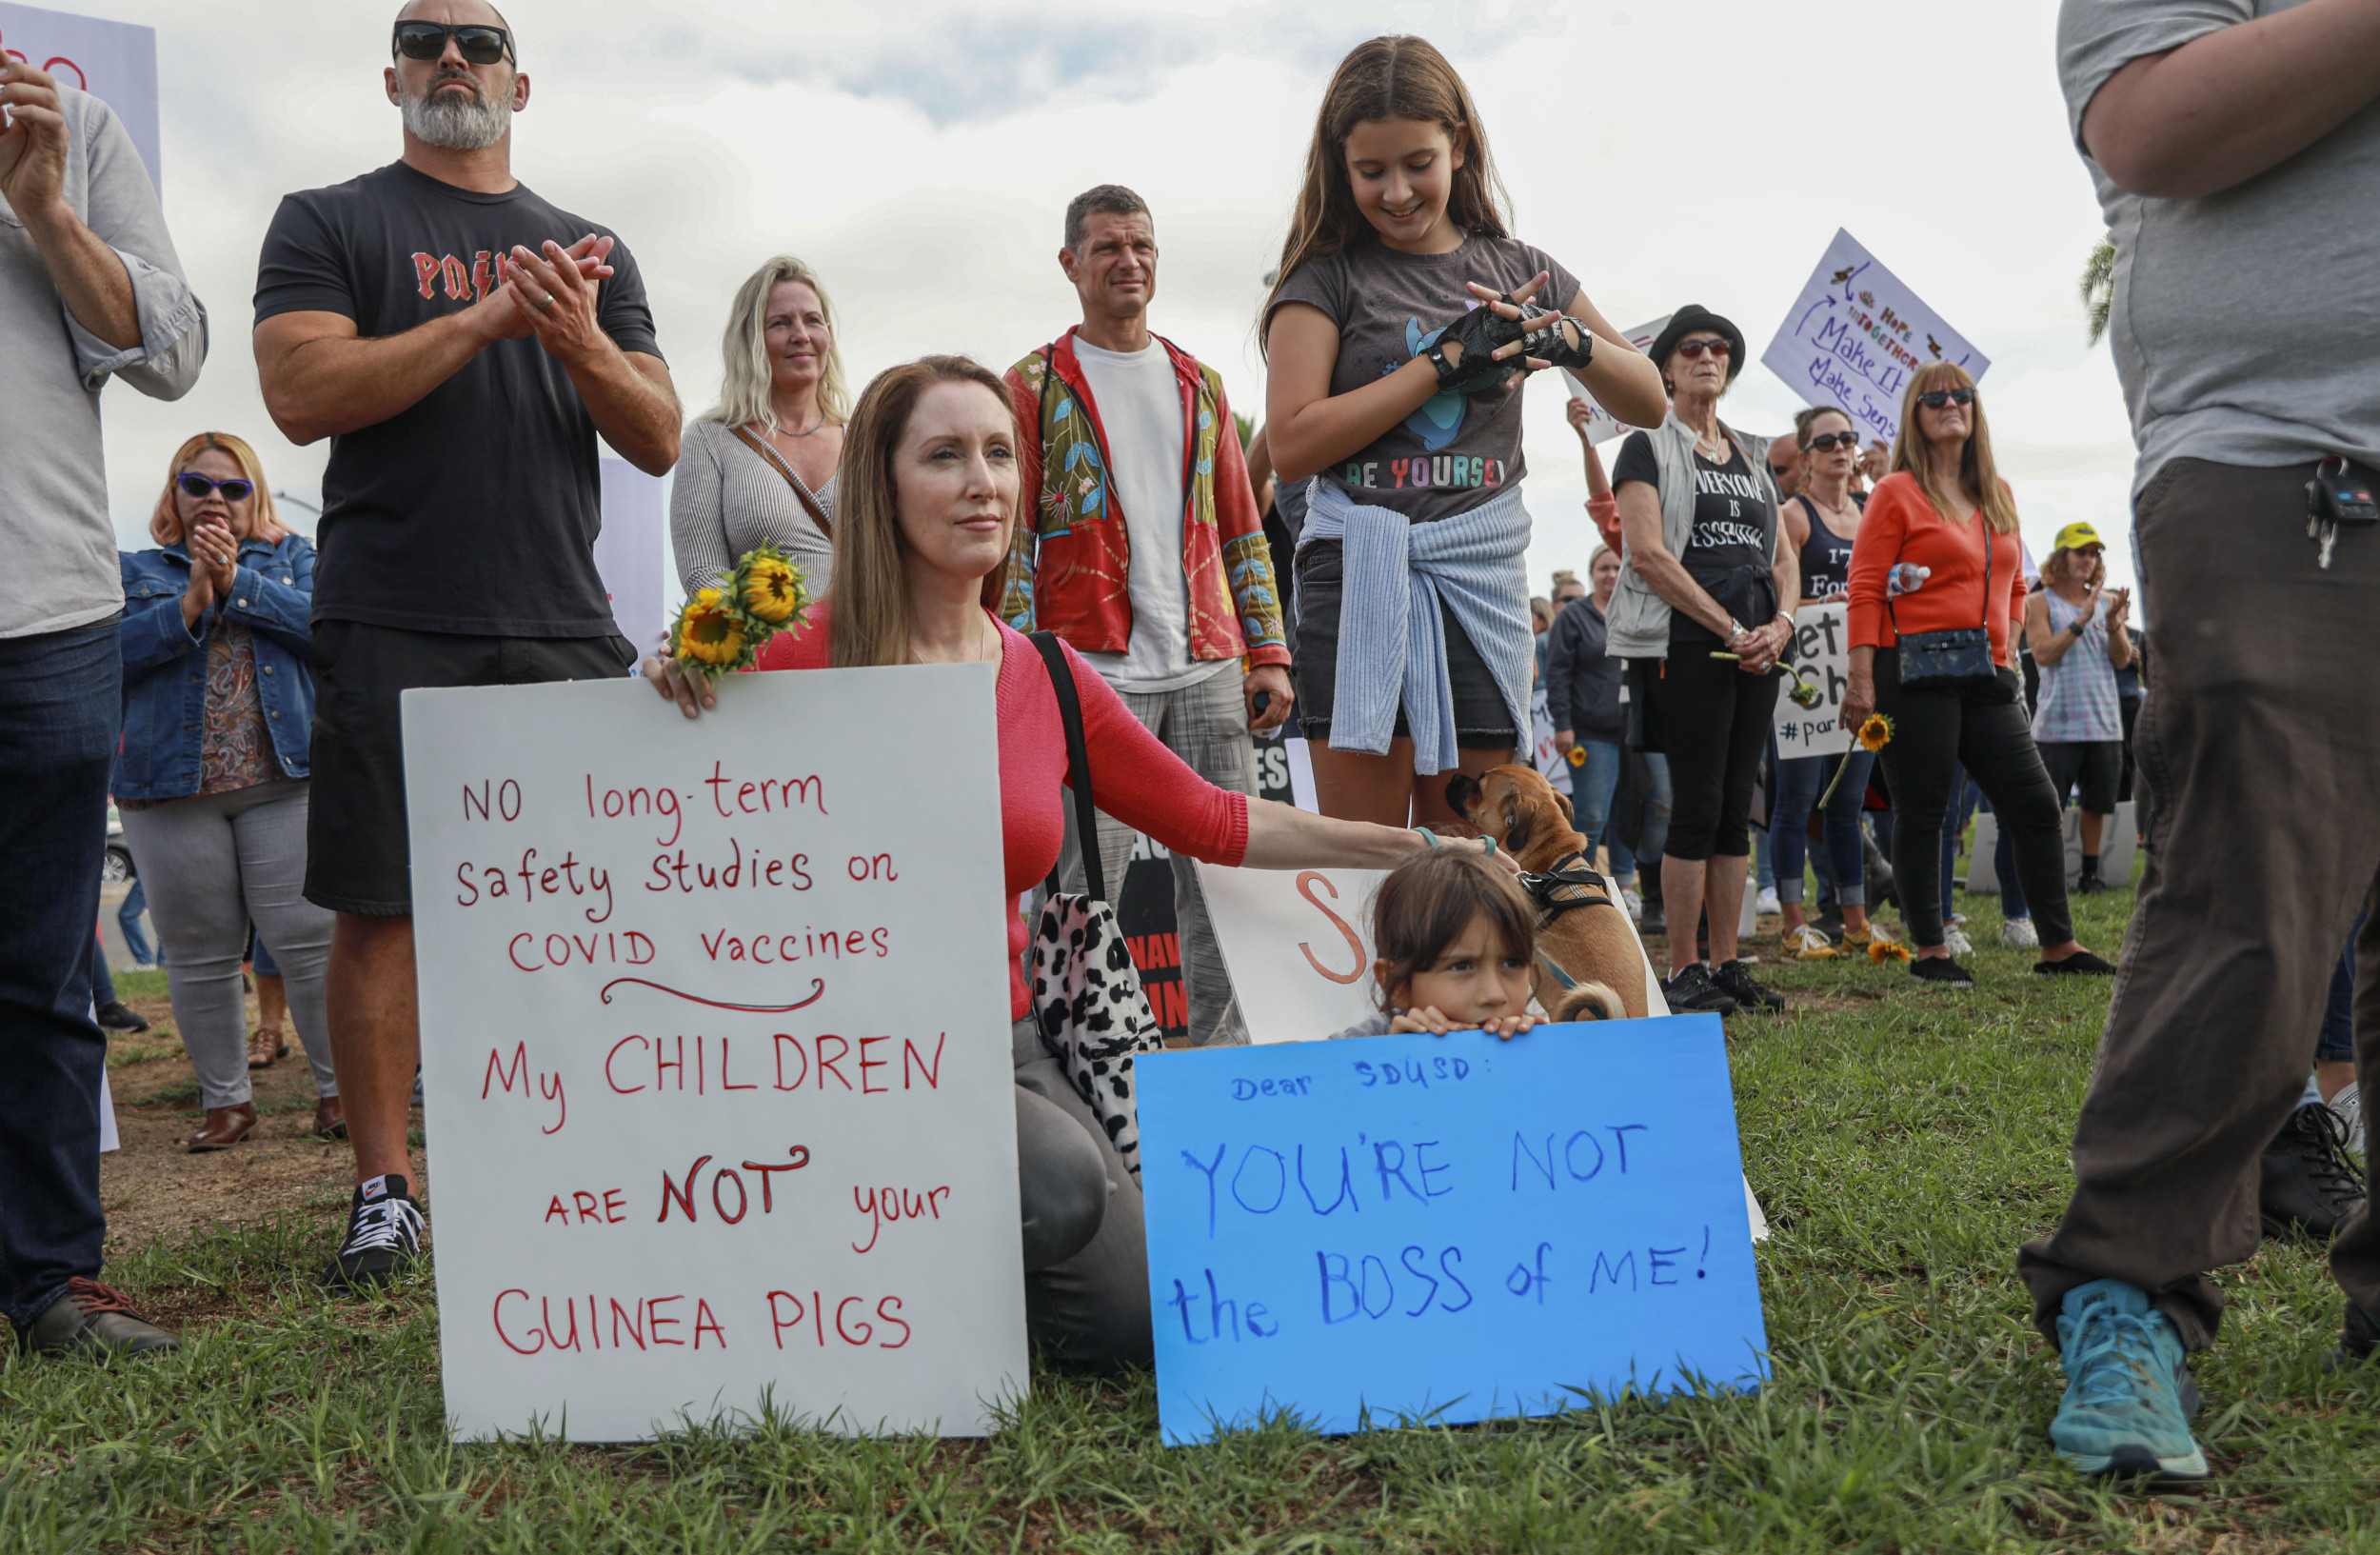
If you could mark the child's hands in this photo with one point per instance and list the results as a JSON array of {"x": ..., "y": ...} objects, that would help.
[{"x": 1429, "y": 1018}]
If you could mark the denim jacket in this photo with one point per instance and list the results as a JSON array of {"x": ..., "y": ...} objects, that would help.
[{"x": 165, "y": 663}]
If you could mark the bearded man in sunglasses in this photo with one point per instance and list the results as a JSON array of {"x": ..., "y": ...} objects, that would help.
[{"x": 463, "y": 343}]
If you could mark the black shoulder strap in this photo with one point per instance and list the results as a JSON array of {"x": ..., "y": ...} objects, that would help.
[{"x": 1077, "y": 762}]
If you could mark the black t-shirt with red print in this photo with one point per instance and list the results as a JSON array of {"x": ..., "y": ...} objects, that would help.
[{"x": 476, "y": 509}]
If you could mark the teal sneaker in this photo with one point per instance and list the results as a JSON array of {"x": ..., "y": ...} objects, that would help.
[{"x": 2128, "y": 1394}]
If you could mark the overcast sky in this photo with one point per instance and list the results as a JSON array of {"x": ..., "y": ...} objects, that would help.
[{"x": 920, "y": 156}]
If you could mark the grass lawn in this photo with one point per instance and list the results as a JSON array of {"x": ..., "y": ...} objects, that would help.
[{"x": 1903, "y": 1142}]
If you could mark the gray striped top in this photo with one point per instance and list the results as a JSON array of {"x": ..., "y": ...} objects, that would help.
[{"x": 725, "y": 499}]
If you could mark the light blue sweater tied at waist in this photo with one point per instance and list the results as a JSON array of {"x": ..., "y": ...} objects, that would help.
[{"x": 1392, "y": 638}]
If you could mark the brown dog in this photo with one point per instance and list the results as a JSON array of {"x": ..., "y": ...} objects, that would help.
[{"x": 1580, "y": 926}]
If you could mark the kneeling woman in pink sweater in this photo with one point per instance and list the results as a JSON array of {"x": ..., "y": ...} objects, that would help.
[{"x": 929, "y": 490}]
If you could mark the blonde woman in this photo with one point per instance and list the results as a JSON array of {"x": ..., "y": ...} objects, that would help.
[
  {"x": 1944, "y": 506},
  {"x": 218, "y": 710},
  {"x": 760, "y": 465}
]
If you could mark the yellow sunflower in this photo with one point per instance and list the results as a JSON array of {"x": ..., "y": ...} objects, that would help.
[
  {"x": 769, "y": 587},
  {"x": 1875, "y": 733},
  {"x": 1577, "y": 757},
  {"x": 708, "y": 635},
  {"x": 1880, "y": 948}
]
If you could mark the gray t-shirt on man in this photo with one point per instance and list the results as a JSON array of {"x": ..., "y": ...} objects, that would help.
[{"x": 2244, "y": 324}]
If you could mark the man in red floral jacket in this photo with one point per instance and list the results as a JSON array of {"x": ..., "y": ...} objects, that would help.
[{"x": 1146, "y": 549}]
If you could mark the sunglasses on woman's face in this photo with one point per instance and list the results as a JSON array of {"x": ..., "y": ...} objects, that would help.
[
  {"x": 1692, "y": 348},
  {"x": 1827, "y": 442},
  {"x": 199, "y": 487},
  {"x": 1940, "y": 397},
  {"x": 428, "y": 40}
]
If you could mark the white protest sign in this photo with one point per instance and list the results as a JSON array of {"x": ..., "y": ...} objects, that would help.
[
  {"x": 1854, "y": 337},
  {"x": 1822, "y": 653},
  {"x": 628, "y": 551},
  {"x": 715, "y": 1050},
  {"x": 1298, "y": 944},
  {"x": 113, "y": 61},
  {"x": 1602, "y": 425}
]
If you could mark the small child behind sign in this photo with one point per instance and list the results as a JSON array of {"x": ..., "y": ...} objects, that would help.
[{"x": 1455, "y": 936}]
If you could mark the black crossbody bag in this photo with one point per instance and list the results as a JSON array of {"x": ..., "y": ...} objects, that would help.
[{"x": 1959, "y": 659}]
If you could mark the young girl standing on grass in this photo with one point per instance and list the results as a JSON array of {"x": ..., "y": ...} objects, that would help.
[{"x": 1395, "y": 335}]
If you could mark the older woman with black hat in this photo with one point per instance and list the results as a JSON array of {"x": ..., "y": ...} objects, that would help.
[{"x": 1702, "y": 610}]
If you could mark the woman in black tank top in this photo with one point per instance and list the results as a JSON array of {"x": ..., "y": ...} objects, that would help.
[{"x": 1822, "y": 520}]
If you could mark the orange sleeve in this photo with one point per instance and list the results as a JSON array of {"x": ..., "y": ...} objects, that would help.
[
  {"x": 1873, "y": 552},
  {"x": 1604, "y": 510}
]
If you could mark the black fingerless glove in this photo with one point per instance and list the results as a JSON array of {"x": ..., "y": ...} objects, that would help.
[
  {"x": 1478, "y": 332},
  {"x": 1557, "y": 339}
]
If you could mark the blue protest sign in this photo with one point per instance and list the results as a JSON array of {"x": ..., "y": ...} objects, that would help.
[{"x": 1445, "y": 1229}]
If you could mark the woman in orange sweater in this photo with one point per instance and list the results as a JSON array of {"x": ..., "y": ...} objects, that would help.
[{"x": 1945, "y": 508}]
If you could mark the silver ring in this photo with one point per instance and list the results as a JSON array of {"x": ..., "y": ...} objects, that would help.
[{"x": 544, "y": 305}]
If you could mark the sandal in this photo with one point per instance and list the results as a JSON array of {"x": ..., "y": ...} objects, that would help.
[{"x": 266, "y": 1046}]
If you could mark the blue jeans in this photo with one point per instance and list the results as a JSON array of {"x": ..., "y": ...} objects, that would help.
[
  {"x": 2337, "y": 1042},
  {"x": 1799, "y": 781},
  {"x": 2003, "y": 862},
  {"x": 1654, "y": 835},
  {"x": 129, "y": 919},
  {"x": 1592, "y": 783},
  {"x": 61, "y": 695}
]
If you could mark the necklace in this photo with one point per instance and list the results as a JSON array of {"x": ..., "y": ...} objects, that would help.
[
  {"x": 822, "y": 422},
  {"x": 976, "y": 655}
]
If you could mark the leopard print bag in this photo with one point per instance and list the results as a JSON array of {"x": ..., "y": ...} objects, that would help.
[{"x": 1087, "y": 1000}]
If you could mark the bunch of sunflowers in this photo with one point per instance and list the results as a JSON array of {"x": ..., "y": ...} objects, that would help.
[{"x": 720, "y": 631}]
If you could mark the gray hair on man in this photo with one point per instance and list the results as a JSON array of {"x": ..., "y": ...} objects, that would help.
[{"x": 1104, "y": 200}]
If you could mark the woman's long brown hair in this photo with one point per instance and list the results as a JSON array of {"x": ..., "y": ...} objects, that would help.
[
  {"x": 1388, "y": 78},
  {"x": 869, "y": 622},
  {"x": 1975, "y": 465}
]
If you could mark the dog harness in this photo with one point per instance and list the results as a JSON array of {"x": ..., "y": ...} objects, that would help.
[{"x": 1563, "y": 889}]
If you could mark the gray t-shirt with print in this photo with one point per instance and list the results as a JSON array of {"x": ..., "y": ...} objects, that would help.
[
  {"x": 2244, "y": 326},
  {"x": 1456, "y": 451}
]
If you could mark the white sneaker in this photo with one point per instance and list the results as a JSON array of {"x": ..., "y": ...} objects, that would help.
[
  {"x": 1954, "y": 940},
  {"x": 2018, "y": 934},
  {"x": 2348, "y": 1105},
  {"x": 1634, "y": 902},
  {"x": 1768, "y": 907}
]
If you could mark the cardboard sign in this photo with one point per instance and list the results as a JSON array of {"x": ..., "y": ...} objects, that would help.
[
  {"x": 1602, "y": 425},
  {"x": 630, "y": 551},
  {"x": 1543, "y": 754},
  {"x": 113, "y": 61},
  {"x": 715, "y": 1050},
  {"x": 1822, "y": 653},
  {"x": 1445, "y": 1229},
  {"x": 1854, "y": 337}
]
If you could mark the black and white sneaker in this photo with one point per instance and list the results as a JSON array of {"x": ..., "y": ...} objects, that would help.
[
  {"x": 383, "y": 1237},
  {"x": 1736, "y": 980},
  {"x": 1694, "y": 992},
  {"x": 1942, "y": 971},
  {"x": 2307, "y": 1180}
]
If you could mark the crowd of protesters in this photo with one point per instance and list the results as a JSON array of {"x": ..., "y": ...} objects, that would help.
[{"x": 1357, "y": 565}]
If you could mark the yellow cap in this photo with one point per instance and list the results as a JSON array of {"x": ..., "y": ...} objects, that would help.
[{"x": 2076, "y": 536}]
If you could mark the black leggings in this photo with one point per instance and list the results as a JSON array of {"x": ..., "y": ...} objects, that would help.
[
  {"x": 1712, "y": 721},
  {"x": 1985, "y": 731}
]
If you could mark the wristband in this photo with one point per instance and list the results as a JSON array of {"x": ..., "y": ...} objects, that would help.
[{"x": 1782, "y": 616}]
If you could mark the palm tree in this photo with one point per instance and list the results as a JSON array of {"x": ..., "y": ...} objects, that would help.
[{"x": 2098, "y": 286}]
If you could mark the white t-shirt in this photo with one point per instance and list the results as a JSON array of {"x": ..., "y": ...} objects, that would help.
[{"x": 1140, "y": 407}]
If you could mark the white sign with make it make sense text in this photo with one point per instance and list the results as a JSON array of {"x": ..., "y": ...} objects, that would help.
[
  {"x": 1822, "y": 653},
  {"x": 1856, "y": 334},
  {"x": 715, "y": 1050}
]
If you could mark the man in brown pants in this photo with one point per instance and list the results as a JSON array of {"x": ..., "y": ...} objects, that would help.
[{"x": 2261, "y": 743}]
